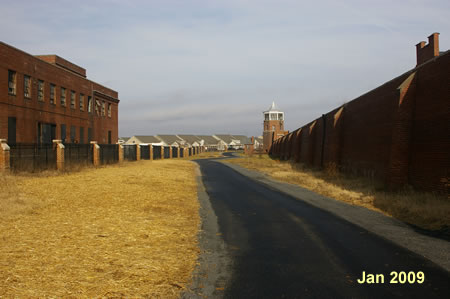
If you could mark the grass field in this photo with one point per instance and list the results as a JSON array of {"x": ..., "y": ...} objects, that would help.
[
  {"x": 425, "y": 210},
  {"x": 127, "y": 230}
]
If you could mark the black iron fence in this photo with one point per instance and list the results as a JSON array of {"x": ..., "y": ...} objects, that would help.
[
  {"x": 109, "y": 153},
  {"x": 174, "y": 152},
  {"x": 145, "y": 152},
  {"x": 32, "y": 157},
  {"x": 129, "y": 152},
  {"x": 156, "y": 152},
  {"x": 37, "y": 157},
  {"x": 78, "y": 154},
  {"x": 166, "y": 152}
]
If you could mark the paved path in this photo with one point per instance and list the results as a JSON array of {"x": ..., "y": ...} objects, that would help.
[{"x": 281, "y": 247}]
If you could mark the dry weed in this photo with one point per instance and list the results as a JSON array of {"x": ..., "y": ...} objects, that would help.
[{"x": 127, "y": 230}]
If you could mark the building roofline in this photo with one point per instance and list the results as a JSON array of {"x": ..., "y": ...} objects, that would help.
[{"x": 56, "y": 66}]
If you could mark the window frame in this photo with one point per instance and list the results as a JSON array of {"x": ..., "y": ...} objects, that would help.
[
  {"x": 89, "y": 104},
  {"x": 27, "y": 87},
  {"x": 81, "y": 102},
  {"x": 62, "y": 96},
  {"x": 12, "y": 82},
  {"x": 52, "y": 95},
  {"x": 73, "y": 99},
  {"x": 41, "y": 92}
]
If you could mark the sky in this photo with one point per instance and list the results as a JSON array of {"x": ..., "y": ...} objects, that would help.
[{"x": 212, "y": 67}]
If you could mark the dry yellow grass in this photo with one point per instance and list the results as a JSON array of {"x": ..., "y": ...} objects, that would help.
[
  {"x": 424, "y": 210},
  {"x": 128, "y": 230}
]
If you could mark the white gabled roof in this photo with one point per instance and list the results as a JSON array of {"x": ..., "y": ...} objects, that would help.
[{"x": 273, "y": 108}]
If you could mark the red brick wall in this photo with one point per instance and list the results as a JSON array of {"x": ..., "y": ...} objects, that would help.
[
  {"x": 430, "y": 148},
  {"x": 31, "y": 111},
  {"x": 398, "y": 133}
]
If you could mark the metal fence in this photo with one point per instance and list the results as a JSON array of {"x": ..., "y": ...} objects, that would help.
[
  {"x": 109, "y": 153},
  {"x": 174, "y": 152},
  {"x": 129, "y": 152},
  {"x": 32, "y": 157},
  {"x": 145, "y": 152},
  {"x": 156, "y": 152},
  {"x": 166, "y": 152},
  {"x": 78, "y": 154}
]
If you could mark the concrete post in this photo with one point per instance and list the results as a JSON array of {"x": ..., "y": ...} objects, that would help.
[
  {"x": 151, "y": 152},
  {"x": 138, "y": 152},
  {"x": 121, "y": 153},
  {"x": 170, "y": 152},
  {"x": 59, "y": 147},
  {"x": 96, "y": 153},
  {"x": 4, "y": 156}
]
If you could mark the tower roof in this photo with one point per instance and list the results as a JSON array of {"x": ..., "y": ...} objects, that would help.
[{"x": 273, "y": 108}]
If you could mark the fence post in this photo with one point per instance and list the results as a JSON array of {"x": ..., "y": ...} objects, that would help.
[
  {"x": 151, "y": 152},
  {"x": 120, "y": 153},
  {"x": 96, "y": 153},
  {"x": 4, "y": 155},
  {"x": 170, "y": 152},
  {"x": 138, "y": 152},
  {"x": 59, "y": 154}
]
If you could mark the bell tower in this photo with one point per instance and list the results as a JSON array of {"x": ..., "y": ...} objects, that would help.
[{"x": 273, "y": 126}]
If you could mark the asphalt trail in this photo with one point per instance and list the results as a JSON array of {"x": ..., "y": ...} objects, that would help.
[{"x": 281, "y": 247}]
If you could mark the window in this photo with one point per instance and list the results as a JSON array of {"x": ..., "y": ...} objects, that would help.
[
  {"x": 103, "y": 108},
  {"x": 81, "y": 135},
  {"x": 97, "y": 105},
  {"x": 109, "y": 109},
  {"x": 63, "y": 133},
  {"x": 89, "y": 104},
  {"x": 81, "y": 102},
  {"x": 72, "y": 134},
  {"x": 280, "y": 116},
  {"x": 52, "y": 93},
  {"x": 27, "y": 86},
  {"x": 12, "y": 121},
  {"x": 72, "y": 99},
  {"x": 273, "y": 128},
  {"x": 12, "y": 82},
  {"x": 40, "y": 90},
  {"x": 63, "y": 96}
]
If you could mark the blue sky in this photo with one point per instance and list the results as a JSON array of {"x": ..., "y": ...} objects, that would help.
[{"x": 204, "y": 67}]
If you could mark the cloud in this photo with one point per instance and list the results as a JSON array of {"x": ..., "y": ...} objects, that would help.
[{"x": 202, "y": 66}]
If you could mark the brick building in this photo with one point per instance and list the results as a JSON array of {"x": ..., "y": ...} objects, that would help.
[{"x": 47, "y": 97}]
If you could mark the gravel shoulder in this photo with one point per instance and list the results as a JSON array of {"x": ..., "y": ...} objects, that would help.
[{"x": 213, "y": 269}]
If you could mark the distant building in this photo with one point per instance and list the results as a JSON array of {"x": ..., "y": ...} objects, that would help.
[
  {"x": 231, "y": 141},
  {"x": 43, "y": 98},
  {"x": 122, "y": 140},
  {"x": 142, "y": 139},
  {"x": 172, "y": 140},
  {"x": 212, "y": 144},
  {"x": 273, "y": 126},
  {"x": 191, "y": 140}
]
